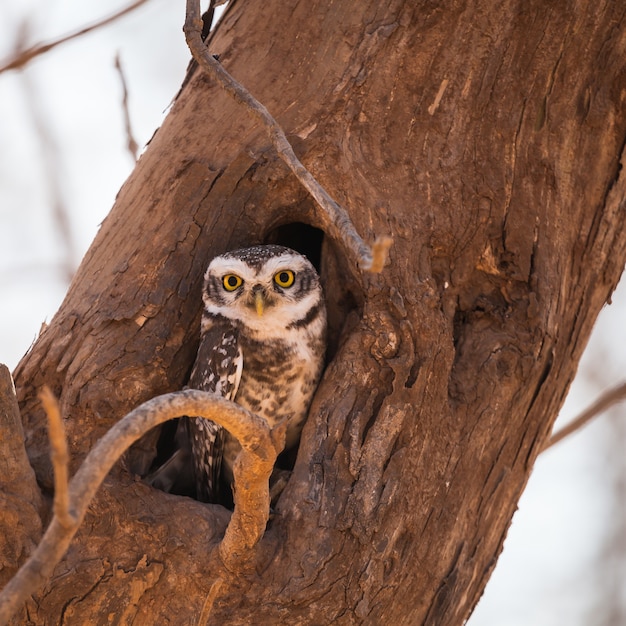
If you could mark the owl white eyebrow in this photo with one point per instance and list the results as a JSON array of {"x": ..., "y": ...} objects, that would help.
[
  {"x": 226, "y": 266},
  {"x": 279, "y": 263}
]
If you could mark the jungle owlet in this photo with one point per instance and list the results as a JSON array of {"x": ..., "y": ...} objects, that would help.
[{"x": 263, "y": 341}]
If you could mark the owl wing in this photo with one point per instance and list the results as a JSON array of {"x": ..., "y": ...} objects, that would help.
[
  {"x": 199, "y": 442},
  {"x": 218, "y": 368}
]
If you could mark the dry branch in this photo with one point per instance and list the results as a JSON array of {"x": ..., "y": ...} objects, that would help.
[
  {"x": 247, "y": 524},
  {"x": 603, "y": 403},
  {"x": 59, "y": 456},
  {"x": 53, "y": 180},
  {"x": 23, "y": 57},
  {"x": 334, "y": 218},
  {"x": 131, "y": 143}
]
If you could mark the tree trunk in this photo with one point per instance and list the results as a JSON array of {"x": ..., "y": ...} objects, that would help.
[{"x": 486, "y": 139}]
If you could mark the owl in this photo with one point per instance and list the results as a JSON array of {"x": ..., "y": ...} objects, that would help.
[{"x": 262, "y": 345}]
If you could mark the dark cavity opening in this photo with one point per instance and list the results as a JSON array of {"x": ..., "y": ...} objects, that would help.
[
  {"x": 344, "y": 306},
  {"x": 305, "y": 239}
]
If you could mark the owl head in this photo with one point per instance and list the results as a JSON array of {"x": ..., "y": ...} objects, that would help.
[{"x": 268, "y": 289}]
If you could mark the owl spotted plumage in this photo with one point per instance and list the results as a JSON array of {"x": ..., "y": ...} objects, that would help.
[{"x": 263, "y": 341}]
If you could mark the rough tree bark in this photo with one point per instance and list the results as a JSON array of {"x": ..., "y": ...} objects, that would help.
[{"x": 487, "y": 139}]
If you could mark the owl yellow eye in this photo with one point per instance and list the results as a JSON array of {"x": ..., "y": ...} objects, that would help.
[
  {"x": 284, "y": 278},
  {"x": 231, "y": 282}
]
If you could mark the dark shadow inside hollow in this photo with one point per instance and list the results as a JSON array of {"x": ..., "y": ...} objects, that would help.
[{"x": 305, "y": 239}]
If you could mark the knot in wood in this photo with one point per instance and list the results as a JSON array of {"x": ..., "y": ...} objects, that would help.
[{"x": 387, "y": 337}]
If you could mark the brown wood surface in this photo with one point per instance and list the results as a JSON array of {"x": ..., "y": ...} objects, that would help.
[{"x": 486, "y": 138}]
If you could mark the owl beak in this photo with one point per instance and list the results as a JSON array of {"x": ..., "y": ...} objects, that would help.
[{"x": 258, "y": 302}]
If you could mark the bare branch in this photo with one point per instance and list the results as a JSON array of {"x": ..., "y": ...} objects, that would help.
[
  {"x": 51, "y": 162},
  {"x": 59, "y": 456},
  {"x": 604, "y": 402},
  {"x": 380, "y": 251},
  {"x": 334, "y": 218},
  {"x": 131, "y": 144},
  {"x": 246, "y": 527},
  {"x": 23, "y": 57},
  {"x": 214, "y": 593}
]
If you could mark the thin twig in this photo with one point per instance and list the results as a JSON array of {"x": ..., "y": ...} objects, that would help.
[
  {"x": 53, "y": 180},
  {"x": 24, "y": 57},
  {"x": 207, "y": 608},
  {"x": 131, "y": 144},
  {"x": 604, "y": 402},
  {"x": 59, "y": 457},
  {"x": 248, "y": 520},
  {"x": 334, "y": 217},
  {"x": 380, "y": 251}
]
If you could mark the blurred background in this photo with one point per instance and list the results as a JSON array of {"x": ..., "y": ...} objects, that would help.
[{"x": 63, "y": 157}]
